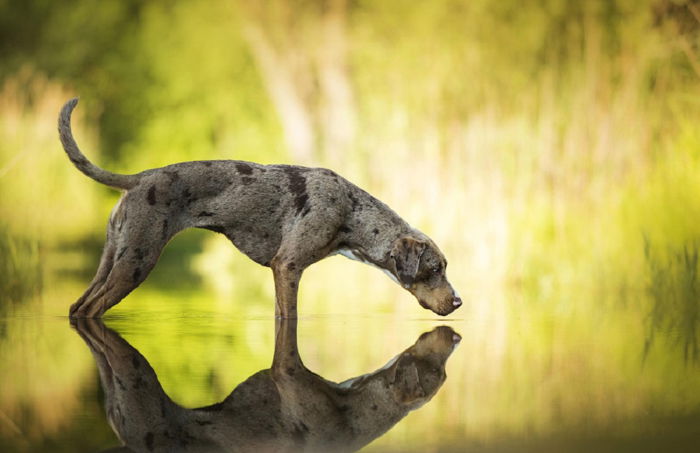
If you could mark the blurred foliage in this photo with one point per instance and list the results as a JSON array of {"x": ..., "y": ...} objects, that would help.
[
  {"x": 537, "y": 120},
  {"x": 674, "y": 292},
  {"x": 20, "y": 267},
  {"x": 550, "y": 147}
]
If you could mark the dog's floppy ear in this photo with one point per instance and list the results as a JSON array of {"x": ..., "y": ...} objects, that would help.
[
  {"x": 405, "y": 382},
  {"x": 405, "y": 258}
]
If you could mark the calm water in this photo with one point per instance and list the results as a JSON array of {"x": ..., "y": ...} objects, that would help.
[{"x": 506, "y": 373}]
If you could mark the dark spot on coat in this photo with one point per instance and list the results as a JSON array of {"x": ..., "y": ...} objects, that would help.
[
  {"x": 375, "y": 231},
  {"x": 207, "y": 163},
  {"x": 213, "y": 408},
  {"x": 244, "y": 168},
  {"x": 122, "y": 252},
  {"x": 139, "y": 382},
  {"x": 151, "y": 196},
  {"x": 187, "y": 195},
  {"x": 344, "y": 408},
  {"x": 135, "y": 361},
  {"x": 203, "y": 422},
  {"x": 353, "y": 200},
  {"x": 291, "y": 266},
  {"x": 374, "y": 407},
  {"x": 345, "y": 229},
  {"x": 247, "y": 180},
  {"x": 297, "y": 186},
  {"x": 138, "y": 253},
  {"x": 164, "y": 233},
  {"x": 307, "y": 209},
  {"x": 148, "y": 440},
  {"x": 137, "y": 274},
  {"x": 292, "y": 285},
  {"x": 291, "y": 371},
  {"x": 215, "y": 228},
  {"x": 205, "y": 214},
  {"x": 120, "y": 383},
  {"x": 173, "y": 175}
]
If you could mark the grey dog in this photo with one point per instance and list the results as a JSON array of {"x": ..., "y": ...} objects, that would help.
[{"x": 283, "y": 216}]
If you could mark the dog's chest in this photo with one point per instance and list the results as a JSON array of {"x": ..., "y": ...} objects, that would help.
[{"x": 356, "y": 256}]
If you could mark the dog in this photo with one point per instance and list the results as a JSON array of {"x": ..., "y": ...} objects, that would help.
[
  {"x": 286, "y": 408},
  {"x": 285, "y": 217}
]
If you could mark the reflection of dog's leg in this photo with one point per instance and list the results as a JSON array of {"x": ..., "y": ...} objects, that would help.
[
  {"x": 136, "y": 405},
  {"x": 93, "y": 334},
  {"x": 122, "y": 365},
  {"x": 286, "y": 359}
]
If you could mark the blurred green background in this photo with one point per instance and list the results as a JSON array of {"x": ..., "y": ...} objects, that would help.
[{"x": 551, "y": 148}]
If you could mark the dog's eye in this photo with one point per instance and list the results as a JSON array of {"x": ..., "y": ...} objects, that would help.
[{"x": 437, "y": 269}]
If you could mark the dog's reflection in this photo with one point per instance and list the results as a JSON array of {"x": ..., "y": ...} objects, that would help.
[{"x": 284, "y": 408}]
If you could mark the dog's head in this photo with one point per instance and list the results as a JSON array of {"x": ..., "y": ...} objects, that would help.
[
  {"x": 419, "y": 371},
  {"x": 419, "y": 266}
]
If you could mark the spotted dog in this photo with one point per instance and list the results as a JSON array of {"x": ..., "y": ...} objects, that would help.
[{"x": 285, "y": 217}]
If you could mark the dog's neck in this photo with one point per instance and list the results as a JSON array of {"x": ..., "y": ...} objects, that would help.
[{"x": 375, "y": 408}]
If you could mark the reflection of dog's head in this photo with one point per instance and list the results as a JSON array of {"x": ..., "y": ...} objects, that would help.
[
  {"x": 419, "y": 371},
  {"x": 419, "y": 266}
]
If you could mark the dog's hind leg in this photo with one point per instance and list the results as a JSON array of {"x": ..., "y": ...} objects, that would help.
[
  {"x": 103, "y": 271},
  {"x": 114, "y": 228},
  {"x": 131, "y": 252}
]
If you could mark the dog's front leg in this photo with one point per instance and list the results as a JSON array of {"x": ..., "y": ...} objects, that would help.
[{"x": 287, "y": 278}]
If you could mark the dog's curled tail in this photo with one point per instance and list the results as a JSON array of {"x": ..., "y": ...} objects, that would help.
[{"x": 80, "y": 161}]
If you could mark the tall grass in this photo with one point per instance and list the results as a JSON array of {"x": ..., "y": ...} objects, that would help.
[
  {"x": 675, "y": 294},
  {"x": 20, "y": 267}
]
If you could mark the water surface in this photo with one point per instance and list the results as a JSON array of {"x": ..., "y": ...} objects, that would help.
[{"x": 566, "y": 373}]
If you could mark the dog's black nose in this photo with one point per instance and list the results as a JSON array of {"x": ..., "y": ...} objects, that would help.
[{"x": 457, "y": 302}]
